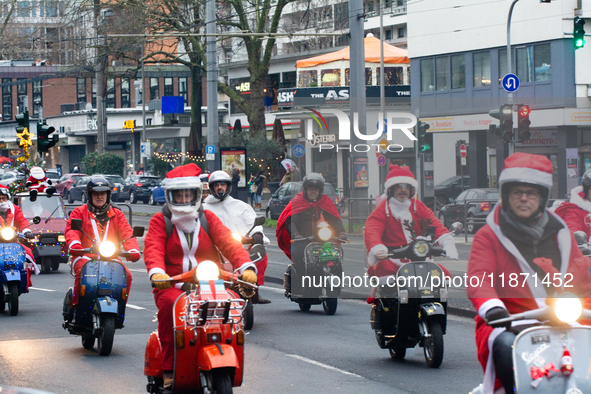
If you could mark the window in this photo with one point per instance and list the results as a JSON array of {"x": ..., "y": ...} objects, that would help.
[
  {"x": 367, "y": 76},
  {"x": 125, "y": 95},
  {"x": 481, "y": 69},
  {"x": 154, "y": 89},
  {"x": 6, "y": 99},
  {"x": 502, "y": 64},
  {"x": 37, "y": 98},
  {"x": 23, "y": 9},
  {"x": 442, "y": 73},
  {"x": 21, "y": 91},
  {"x": 183, "y": 89},
  {"x": 523, "y": 62},
  {"x": 111, "y": 93},
  {"x": 138, "y": 97},
  {"x": 308, "y": 79},
  {"x": 542, "y": 65},
  {"x": 427, "y": 83},
  {"x": 331, "y": 77},
  {"x": 400, "y": 32},
  {"x": 51, "y": 8},
  {"x": 168, "y": 88},
  {"x": 388, "y": 34},
  {"x": 93, "y": 92},
  {"x": 341, "y": 16},
  {"x": 462, "y": 196},
  {"x": 81, "y": 90},
  {"x": 393, "y": 76},
  {"x": 458, "y": 72}
]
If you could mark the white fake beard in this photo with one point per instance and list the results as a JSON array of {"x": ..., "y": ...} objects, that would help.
[
  {"x": 185, "y": 217},
  {"x": 4, "y": 206}
]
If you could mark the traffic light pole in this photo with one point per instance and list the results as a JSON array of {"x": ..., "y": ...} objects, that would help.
[{"x": 509, "y": 94}]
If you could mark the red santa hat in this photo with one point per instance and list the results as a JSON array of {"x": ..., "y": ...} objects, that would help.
[
  {"x": 184, "y": 177},
  {"x": 398, "y": 175},
  {"x": 4, "y": 190},
  {"x": 527, "y": 168}
]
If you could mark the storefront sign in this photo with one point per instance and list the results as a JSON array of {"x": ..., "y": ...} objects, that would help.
[
  {"x": 322, "y": 139},
  {"x": 541, "y": 138},
  {"x": 76, "y": 140},
  {"x": 360, "y": 172},
  {"x": 335, "y": 95}
]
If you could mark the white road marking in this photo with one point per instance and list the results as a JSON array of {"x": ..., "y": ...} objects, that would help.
[
  {"x": 307, "y": 360},
  {"x": 138, "y": 270},
  {"x": 275, "y": 289},
  {"x": 134, "y": 306},
  {"x": 37, "y": 288}
]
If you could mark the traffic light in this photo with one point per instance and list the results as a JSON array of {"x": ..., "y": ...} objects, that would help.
[
  {"x": 43, "y": 140},
  {"x": 523, "y": 122},
  {"x": 505, "y": 117},
  {"x": 425, "y": 140},
  {"x": 579, "y": 33},
  {"x": 22, "y": 121}
]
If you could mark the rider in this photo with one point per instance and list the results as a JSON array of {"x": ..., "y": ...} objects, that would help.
[
  {"x": 205, "y": 184},
  {"x": 521, "y": 237},
  {"x": 577, "y": 213},
  {"x": 301, "y": 216},
  {"x": 103, "y": 222},
  {"x": 12, "y": 215},
  {"x": 397, "y": 220},
  {"x": 177, "y": 239},
  {"x": 239, "y": 217}
]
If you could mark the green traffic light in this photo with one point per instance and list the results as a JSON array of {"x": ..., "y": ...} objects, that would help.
[
  {"x": 425, "y": 148},
  {"x": 579, "y": 43}
]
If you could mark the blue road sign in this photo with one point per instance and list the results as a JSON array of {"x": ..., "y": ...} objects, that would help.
[
  {"x": 382, "y": 161},
  {"x": 510, "y": 82},
  {"x": 299, "y": 150},
  {"x": 210, "y": 149},
  {"x": 385, "y": 129}
]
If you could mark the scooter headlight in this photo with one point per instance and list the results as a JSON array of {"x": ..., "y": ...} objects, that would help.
[
  {"x": 237, "y": 237},
  {"x": 207, "y": 270},
  {"x": 61, "y": 238},
  {"x": 324, "y": 233},
  {"x": 421, "y": 248},
  {"x": 107, "y": 249},
  {"x": 568, "y": 310},
  {"x": 8, "y": 233}
]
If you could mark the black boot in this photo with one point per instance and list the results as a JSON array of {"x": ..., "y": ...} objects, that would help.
[{"x": 257, "y": 299}]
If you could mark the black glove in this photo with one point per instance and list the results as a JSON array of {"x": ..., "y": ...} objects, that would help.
[
  {"x": 497, "y": 313},
  {"x": 29, "y": 235},
  {"x": 257, "y": 238},
  {"x": 49, "y": 182}
]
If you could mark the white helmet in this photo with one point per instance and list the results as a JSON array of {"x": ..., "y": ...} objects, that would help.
[{"x": 220, "y": 176}]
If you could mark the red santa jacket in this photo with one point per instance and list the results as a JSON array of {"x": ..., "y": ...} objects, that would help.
[
  {"x": 115, "y": 230},
  {"x": 37, "y": 184},
  {"x": 576, "y": 213},
  {"x": 15, "y": 218},
  {"x": 494, "y": 254},
  {"x": 171, "y": 255}
]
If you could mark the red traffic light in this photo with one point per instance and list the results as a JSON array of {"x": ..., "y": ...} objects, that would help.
[{"x": 524, "y": 111}]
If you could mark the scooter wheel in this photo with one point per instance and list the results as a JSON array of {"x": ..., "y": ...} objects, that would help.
[
  {"x": 434, "y": 345},
  {"x": 248, "y": 315},
  {"x": 88, "y": 342},
  {"x": 398, "y": 352},
  {"x": 304, "y": 306},
  {"x": 330, "y": 306}
]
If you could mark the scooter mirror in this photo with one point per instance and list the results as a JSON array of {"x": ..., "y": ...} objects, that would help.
[
  {"x": 76, "y": 224},
  {"x": 36, "y": 220},
  {"x": 580, "y": 237},
  {"x": 138, "y": 231},
  {"x": 259, "y": 221},
  {"x": 456, "y": 227}
]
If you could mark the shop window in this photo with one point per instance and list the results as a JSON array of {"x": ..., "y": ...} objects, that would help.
[
  {"x": 393, "y": 76},
  {"x": 331, "y": 77},
  {"x": 481, "y": 69},
  {"x": 308, "y": 79}
]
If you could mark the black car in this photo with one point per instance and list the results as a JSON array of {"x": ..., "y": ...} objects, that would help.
[
  {"x": 117, "y": 183},
  {"x": 450, "y": 189},
  {"x": 454, "y": 212},
  {"x": 137, "y": 187},
  {"x": 285, "y": 193},
  {"x": 78, "y": 189}
]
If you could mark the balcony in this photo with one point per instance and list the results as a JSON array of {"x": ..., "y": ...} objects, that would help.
[{"x": 390, "y": 8}]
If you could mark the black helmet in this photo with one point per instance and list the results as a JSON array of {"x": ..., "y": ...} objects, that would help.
[
  {"x": 98, "y": 184},
  {"x": 586, "y": 182},
  {"x": 220, "y": 176},
  {"x": 313, "y": 180}
]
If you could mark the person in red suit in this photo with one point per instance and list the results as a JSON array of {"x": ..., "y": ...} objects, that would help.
[
  {"x": 181, "y": 250},
  {"x": 521, "y": 236},
  {"x": 39, "y": 183},
  {"x": 12, "y": 216},
  {"x": 577, "y": 212},
  {"x": 102, "y": 222}
]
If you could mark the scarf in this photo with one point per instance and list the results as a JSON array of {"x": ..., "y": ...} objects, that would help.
[
  {"x": 97, "y": 211},
  {"x": 528, "y": 231}
]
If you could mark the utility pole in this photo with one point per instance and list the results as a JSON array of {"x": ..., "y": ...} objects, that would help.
[{"x": 212, "y": 87}]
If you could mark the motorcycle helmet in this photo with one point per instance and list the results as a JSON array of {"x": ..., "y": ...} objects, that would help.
[
  {"x": 220, "y": 176},
  {"x": 98, "y": 184},
  {"x": 183, "y": 189},
  {"x": 586, "y": 182},
  {"x": 315, "y": 180}
]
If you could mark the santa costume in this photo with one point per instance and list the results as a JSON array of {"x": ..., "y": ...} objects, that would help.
[
  {"x": 182, "y": 251},
  {"x": 577, "y": 212},
  {"x": 493, "y": 253},
  {"x": 39, "y": 183}
]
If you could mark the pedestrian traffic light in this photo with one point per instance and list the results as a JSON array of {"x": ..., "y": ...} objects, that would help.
[
  {"x": 579, "y": 33},
  {"x": 43, "y": 140},
  {"x": 425, "y": 140},
  {"x": 523, "y": 122},
  {"x": 505, "y": 117}
]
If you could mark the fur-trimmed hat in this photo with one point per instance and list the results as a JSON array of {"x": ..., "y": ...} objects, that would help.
[{"x": 398, "y": 175}]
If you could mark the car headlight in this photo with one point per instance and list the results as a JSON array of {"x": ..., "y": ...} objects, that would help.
[
  {"x": 324, "y": 233},
  {"x": 8, "y": 233},
  {"x": 61, "y": 238},
  {"x": 107, "y": 249},
  {"x": 207, "y": 270},
  {"x": 421, "y": 249},
  {"x": 237, "y": 237},
  {"x": 568, "y": 310}
]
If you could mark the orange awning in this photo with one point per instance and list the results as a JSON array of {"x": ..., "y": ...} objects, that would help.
[{"x": 392, "y": 54}]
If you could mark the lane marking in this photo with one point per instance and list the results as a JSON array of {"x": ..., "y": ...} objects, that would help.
[
  {"x": 135, "y": 306},
  {"x": 307, "y": 360},
  {"x": 37, "y": 288},
  {"x": 137, "y": 270}
]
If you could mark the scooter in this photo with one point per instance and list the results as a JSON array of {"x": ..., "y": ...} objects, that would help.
[
  {"x": 102, "y": 295},
  {"x": 554, "y": 357},
  {"x": 413, "y": 309},
  {"x": 13, "y": 270},
  {"x": 209, "y": 336},
  {"x": 323, "y": 258}
]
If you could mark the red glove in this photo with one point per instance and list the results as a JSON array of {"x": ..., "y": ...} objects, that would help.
[
  {"x": 133, "y": 257},
  {"x": 76, "y": 250}
]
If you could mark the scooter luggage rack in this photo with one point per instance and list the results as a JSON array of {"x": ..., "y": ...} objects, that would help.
[{"x": 206, "y": 312}]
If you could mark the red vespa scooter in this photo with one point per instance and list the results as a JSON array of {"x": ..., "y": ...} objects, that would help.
[{"x": 209, "y": 336}]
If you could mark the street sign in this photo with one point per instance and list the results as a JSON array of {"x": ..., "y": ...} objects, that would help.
[
  {"x": 210, "y": 149},
  {"x": 463, "y": 161},
  {"x": 510, "y": 83},
  {"x": 145, "y": 149},
  {"x": 463, "y": 151},
  {"x": 299, "y": 150},
  {"x": 381, "y": 161},
  {"x": 209, "y": 156},
  {"x": 385, "y": 126}
]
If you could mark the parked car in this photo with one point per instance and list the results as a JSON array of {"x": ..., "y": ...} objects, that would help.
[
  {"x": 454, "y": 212},
  {"x": 117, "y": 183},
  {"x": 78, "y": 191},
  {"x": 157, "y": 194},
  {"x": 66, "y": 182},
  {"x": 137, "y": 187},
  {"x": 449, "y": 189},
  {"x": 285, "y": 193},
  {"x": 9, "y": 178},
  {"x": 53, "y": 175}
]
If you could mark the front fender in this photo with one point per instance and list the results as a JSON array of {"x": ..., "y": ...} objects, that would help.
[
  {"x": 210, "y": 357},
  {"x": 434, "y": 310},
  {"x": 13, "y": 275},
  {"x": 106, "y": 305}
]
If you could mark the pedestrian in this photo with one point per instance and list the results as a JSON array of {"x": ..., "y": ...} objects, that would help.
[
  {"x": 250, "y": 193},
  {"x": 75, "y": 169},
  {"x": 235, "y": 180},
  {"x": 286, "y": 178},
  {"x": 258, "y": 189}
]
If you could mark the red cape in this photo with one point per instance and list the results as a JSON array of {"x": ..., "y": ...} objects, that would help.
[{"x": 298, "y": 205}]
